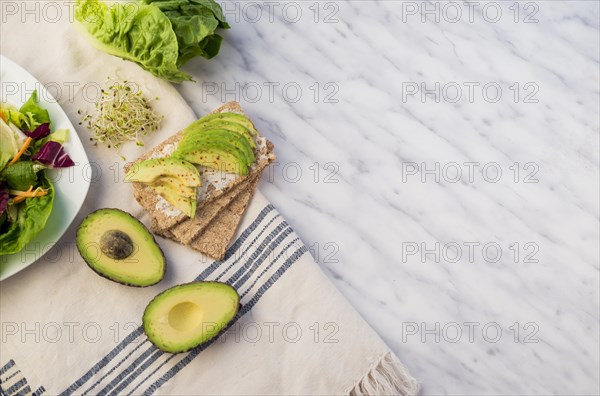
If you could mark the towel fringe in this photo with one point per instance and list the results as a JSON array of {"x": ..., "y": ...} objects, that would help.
[{"x": 387, "y": 377}]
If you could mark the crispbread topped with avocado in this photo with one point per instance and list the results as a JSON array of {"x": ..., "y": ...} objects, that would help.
[{"x": 228, "y": 139}]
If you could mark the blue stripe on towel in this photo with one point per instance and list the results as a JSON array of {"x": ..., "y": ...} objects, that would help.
[
  {"x": 238, "y": 243},
  {"x": 137, "y": 332},
  {"x": 40, "y": 391},
  {"x": 9, "y": 373},
  {"x": 250, "y": 269},
  {"x": 103, "y": 362},
  {"x": 24, "y": 391},
  {"x": 258, "y": 251},
  {"x": 10, "y": 376},
  {"x": 283, "y": 251},
  {"x": 18, "y": 385},
  {"x": 115, "y": 367},
  {"x": 243, "y": 253},
  {"x": 7, "y": 366}
]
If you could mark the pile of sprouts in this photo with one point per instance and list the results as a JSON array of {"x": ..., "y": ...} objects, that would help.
[{"x": 122, "y": 114}]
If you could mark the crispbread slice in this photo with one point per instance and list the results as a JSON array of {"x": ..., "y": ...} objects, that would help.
[
  {"x": 164, "y": 215},
  {"x": 215, "y": 240},
  {"x": 203, "y": 216},
  {"x": 188, "y": 230}
]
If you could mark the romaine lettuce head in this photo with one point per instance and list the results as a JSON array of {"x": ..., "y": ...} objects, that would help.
[
  {"x": 134, "y": 31},
  {"x": 194, "y": 23},
  {"x": 160, "y": 35}
]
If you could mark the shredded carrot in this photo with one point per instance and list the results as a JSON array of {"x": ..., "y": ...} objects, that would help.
[
  {"x": 20, "y": 153},
  {"x": 29, "y": 193},
  {"x": 3, "y": 118},
  {"x": 20, "y": 196}
]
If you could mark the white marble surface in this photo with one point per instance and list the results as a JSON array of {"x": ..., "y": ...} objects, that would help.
[{"x": 369, "y": 57}]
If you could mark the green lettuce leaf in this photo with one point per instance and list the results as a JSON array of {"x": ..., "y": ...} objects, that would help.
[
  {"x": 21, "y": 175},
  {"x": 11, "y": 114},
  {"x": 8, "y": 144},
  {"x": 160, "y": 35},
  {"x": 134, "y": 31},
  {"x": 194, "y": 23},
  {"x": 34, "y": 114},
  {"x": 32, "y": 215}
]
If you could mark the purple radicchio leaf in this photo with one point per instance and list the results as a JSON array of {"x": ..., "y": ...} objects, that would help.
[
  {"x": 40, "y": 132},
  {"x": 53, "y": 154},
  {"x": 3, "y": 201}
]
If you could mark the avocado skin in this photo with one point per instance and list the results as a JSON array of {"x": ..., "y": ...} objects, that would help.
[
  {"x": 159, "y": 296},
  {"x": 164, "y": 259}
]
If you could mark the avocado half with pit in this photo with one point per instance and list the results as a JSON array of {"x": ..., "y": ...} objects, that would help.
[
  {"x": 119, "y": 247},
  {"x": 185, "y": 316}
]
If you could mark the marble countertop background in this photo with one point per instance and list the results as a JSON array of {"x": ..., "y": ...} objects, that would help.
[{"x": 441, "y": 161}]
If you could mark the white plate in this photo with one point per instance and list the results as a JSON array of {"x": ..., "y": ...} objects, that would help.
[{"x": 71, "y": 184}]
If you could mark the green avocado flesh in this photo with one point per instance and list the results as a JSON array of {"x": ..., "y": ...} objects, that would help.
[
  {"x": 150, "y": 170},
  {"x": 221, "y": 156},
  {"x": 222, "y": 141},
  {"x": 173, "y": 179},
  {"x": 175, "y": 184},
  {"x": 229, "y": 117},
  {"x": 230, "y": 126},
  {"x": 182, "y": 199},
  {"x": 185, "y": 316},
  {"x": 118, "y": 246},
  {"x": 212, "y": 136}
]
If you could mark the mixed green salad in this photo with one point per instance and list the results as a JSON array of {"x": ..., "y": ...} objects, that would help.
[{"x": 27, "y": 148}]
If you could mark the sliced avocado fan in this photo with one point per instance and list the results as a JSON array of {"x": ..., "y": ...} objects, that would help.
[
  {"x": 222, "y": 141},
  {"x": 185, "y": 316},
  {"x": 119, "y": 247},
  {"x": 173, "y": 179}
]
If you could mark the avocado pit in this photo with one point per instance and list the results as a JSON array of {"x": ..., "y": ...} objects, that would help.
[{"x": 116, "y": 244}]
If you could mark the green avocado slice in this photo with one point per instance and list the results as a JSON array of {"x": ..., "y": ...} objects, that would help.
[
  {"x": 183, "y": 198},
  {"x": 216, "y": 155},
  {"x": 229, "y": 117},
  {"x": 118, "y": 247},
  {"x": 221, "y": 135},
  {"x": 188, "y": 315},
  {"x": 150, "y": 170},
  {"x": 174, "y": 184},
  {"x": 230, "y": 126}
]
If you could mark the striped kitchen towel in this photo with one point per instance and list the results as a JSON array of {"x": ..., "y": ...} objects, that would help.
[
  {"x": 65, "y": 330},
  {"x": 76, "y": 333}
]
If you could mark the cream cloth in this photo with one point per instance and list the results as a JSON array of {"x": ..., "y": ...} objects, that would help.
[{"x": 66, "y": 330}]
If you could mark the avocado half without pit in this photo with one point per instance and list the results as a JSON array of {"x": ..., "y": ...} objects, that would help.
[
  {"x": 185, "y": 316},
  {"x": 119, "y": 247}
]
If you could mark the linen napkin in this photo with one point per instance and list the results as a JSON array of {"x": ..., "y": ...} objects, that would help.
[{"x": 65, "y": 330}]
